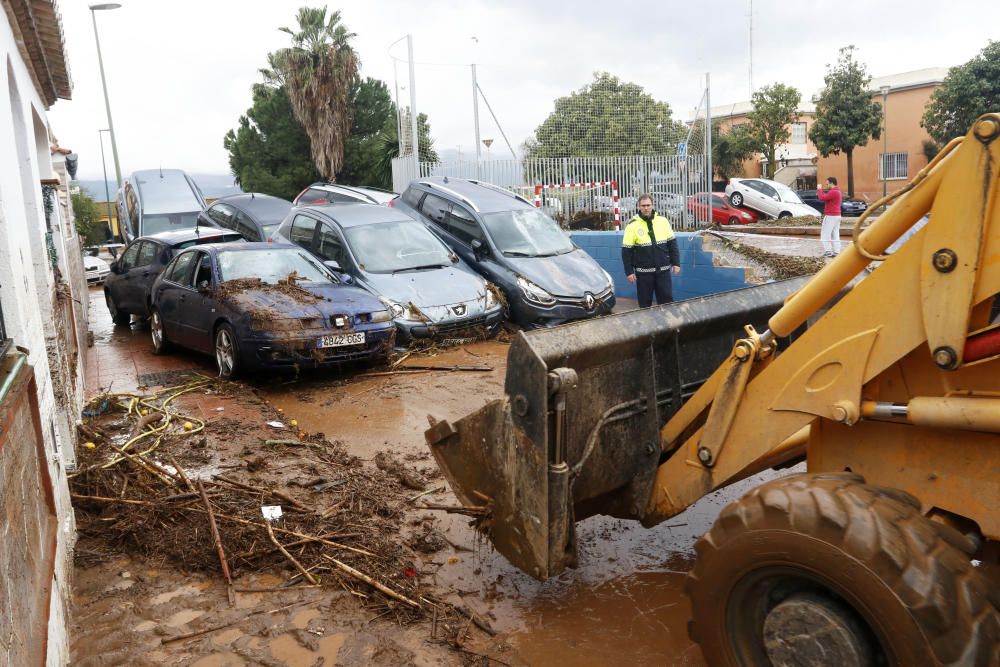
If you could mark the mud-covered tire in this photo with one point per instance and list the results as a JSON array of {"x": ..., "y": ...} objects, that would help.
[
  {"x": 119, "y": 317},
  {"x": 866, "y": 549},
  {"x": 158, "y": 337},
  {"x": 227, "y": 352}
]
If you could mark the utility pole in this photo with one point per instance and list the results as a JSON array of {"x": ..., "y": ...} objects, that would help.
[
  {"x": 475, "y": 112},
  {"x": 413, "y": 108}
]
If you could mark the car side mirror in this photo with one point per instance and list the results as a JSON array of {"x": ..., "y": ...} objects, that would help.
[
  {"x": 203, "y": 286},
  {"x": 347, "y": 278},
  {"x": 479, "y": 250},
  {"x": 113, "y": 267}
]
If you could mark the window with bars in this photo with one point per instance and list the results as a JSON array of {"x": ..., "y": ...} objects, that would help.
[
  {"x": 798, "y": 133},
  {"x": 893, "y": 166}
]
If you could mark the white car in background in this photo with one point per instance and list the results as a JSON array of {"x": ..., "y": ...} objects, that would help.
[
  {"x": 771, "y": 198},
  {"x": 96, "y": 269}
]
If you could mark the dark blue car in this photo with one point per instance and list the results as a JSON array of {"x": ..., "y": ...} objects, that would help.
[{"x": 265, "y": 305}]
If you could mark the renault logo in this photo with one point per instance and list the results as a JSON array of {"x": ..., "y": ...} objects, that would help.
[
  {"x": 459, "y": 309},
  {"x": 588, "y": 300}
]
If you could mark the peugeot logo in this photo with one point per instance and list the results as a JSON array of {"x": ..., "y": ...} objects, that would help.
[
  {"x": 588, "y": 300},
  {"x": 459, "y": 309}
]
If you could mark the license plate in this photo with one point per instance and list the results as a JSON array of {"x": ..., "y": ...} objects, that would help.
[{"x": 340, "y": 340}]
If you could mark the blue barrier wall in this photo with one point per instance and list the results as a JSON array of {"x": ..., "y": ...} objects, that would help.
[{"x": 698, "y": 277}]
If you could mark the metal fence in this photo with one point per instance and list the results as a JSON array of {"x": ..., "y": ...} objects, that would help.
[{"x": 670, "y": 179}]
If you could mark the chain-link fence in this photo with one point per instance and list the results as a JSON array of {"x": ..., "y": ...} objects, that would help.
[{"x": 607, "y": 131}]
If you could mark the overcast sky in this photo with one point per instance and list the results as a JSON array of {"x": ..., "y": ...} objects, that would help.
[{"x": 179, "y": 71}]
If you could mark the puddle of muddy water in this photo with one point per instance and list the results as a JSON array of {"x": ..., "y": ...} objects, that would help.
[{"x": 182, "y": 617}]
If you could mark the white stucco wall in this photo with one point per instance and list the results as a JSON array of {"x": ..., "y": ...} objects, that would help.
[{"x": 27, "y": 285}]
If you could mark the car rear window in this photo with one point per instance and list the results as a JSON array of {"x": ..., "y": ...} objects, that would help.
[{"x": 212, "y": 238}]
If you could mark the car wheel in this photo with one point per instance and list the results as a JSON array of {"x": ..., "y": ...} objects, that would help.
[
  {"x": 784, "y": 214},
  {"x": 734, "y": 220},
  {"x": 227, "y": 355},
  {"x": 736, "y": 199},
  {"x": 119, "y": 317},
  {"x": 160, "y": 343}
]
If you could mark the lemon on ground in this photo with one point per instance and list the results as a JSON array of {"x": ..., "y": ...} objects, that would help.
[
  {"x": 89, "y": 445},
  {"x": 293, "y": 423},
  {"x": 188, "y": 426}
]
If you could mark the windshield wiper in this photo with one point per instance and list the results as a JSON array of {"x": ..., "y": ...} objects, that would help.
[
  {"x": 421, "y": 268},
  {"x": 518, "y": 253}
]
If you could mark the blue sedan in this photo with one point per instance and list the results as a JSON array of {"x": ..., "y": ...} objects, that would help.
[{"x": 265, "y": 305}]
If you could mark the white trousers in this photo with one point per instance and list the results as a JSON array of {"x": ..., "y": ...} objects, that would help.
[{"x": 830, "y": 233}]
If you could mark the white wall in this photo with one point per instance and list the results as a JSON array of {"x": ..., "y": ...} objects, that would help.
[{"x": 27, "y": 285}]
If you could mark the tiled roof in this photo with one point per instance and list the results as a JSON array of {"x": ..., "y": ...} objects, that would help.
[{"x": 37, "y": 29}]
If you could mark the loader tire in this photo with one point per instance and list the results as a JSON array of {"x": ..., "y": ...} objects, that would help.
[{"x": 824, "y": 569}]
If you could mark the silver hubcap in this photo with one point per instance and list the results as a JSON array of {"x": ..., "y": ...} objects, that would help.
[
  {"x": 156, "y": 330},
  {"x": 224, "y": 352}
]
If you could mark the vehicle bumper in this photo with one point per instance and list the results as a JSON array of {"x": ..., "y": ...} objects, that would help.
[
  {"x": 96, "y": 278},
  {"x": 300, "y": 350},
  {"x": 477, "y": 327},
  {"x": 529, "y": 315}
]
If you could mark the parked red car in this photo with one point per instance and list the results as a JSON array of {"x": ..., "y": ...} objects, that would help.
[{"x": 723, "y": 212}]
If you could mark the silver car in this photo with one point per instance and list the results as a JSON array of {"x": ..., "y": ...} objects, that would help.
[{"x": 428, "y": 289}]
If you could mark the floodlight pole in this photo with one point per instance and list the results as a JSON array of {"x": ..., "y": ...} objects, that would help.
[
  {"x": 104, "y": 84},
  {"x": 413, "y": 107}
]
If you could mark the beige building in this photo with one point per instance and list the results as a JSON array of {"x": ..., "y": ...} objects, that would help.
[{"x": 901, "y": 148}]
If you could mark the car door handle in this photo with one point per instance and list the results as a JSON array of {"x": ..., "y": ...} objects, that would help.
[{"x": 145, "y": 274}]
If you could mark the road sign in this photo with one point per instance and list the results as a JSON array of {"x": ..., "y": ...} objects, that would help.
[{"x": 682, "y": 151}]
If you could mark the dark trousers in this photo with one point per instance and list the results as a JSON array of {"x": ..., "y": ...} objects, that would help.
[{"x": 648, "y": 283}]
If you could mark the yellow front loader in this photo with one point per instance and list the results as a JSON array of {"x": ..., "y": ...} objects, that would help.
[{"x": 887, "y": 384}]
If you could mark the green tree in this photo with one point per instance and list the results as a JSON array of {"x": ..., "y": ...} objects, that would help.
[
  {"x": 319, "y": 71},
  {"x": 374, "y": 116},
  {"x": 730, "y": 150},
  {"x": 968, "y": 91},
  {"x": 87, "y": 218},
  {"x": 606, "y": 117},
  {"x": 846, "y": 115},
  {"x": 775, "y": 107},
  {"x": 388, "y": 143},
  {"x": 269, "y": 151}
]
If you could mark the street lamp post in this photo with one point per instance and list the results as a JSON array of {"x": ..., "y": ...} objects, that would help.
[
  {"x": 107, "y": 192},
  {"x": 885, "y": 137},
  {"x": 104, "y": 84}
]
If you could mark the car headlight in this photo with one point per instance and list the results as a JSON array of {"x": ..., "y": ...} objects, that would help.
[
  {"x": 611, "y": 282},
  {"x": 746, "y": 215},
  {"x": 394, "y": 309},
  {"x": 491, "y": 298},
  {"x": 534, "y": 293},
  {"x": 380, "y": 316}
]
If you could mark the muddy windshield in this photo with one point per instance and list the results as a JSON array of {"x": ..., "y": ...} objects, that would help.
[
  {"x": 389, "y": 247},
  {"x": 271, "y": 266},
  {"x": 526, "y": 233}
]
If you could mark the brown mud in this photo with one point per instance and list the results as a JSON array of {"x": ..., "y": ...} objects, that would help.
[{"x": 624, "y": 603}]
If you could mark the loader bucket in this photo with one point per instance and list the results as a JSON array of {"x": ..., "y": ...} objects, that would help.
[{"x": 578, "y": 430}]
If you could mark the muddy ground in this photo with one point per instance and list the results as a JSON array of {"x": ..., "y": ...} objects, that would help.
[{"x": 137, "y": 598}]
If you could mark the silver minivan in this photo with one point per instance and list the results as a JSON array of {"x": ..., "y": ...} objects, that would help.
[{"x": 151, "y": 201}]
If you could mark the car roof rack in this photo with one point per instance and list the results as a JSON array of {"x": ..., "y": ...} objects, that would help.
[
  {"x": 435, "y": 186},
  {"x": 497, "y": 188}
]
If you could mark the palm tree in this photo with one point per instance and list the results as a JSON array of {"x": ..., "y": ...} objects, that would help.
[{"x": 319, "y": 70}]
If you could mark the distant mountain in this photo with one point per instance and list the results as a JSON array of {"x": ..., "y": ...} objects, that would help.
[{"x": 212, "y": 185}]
